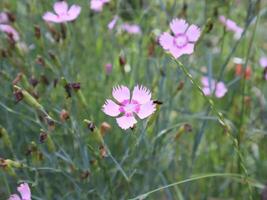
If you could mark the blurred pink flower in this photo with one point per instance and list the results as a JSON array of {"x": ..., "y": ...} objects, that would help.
[
  {"x": 108, "y": 68},
  {"x": 10, "y": 31},
  {"x": 97, "y": 5},
  {"x": 231, "y": 26},
  {"x": 113, "y": 22},
  {"x": 183, "y": 39},
  {"x": 131, "y": 28},
  {"x": 63, "y": 14},
  {"x": 3, "y": 18},
  {"x": 263, "y": 62},
  {"x": 24, "y": 191},
  {"x": 210, "y": 85},
  {"x": 127, "y": 108}
]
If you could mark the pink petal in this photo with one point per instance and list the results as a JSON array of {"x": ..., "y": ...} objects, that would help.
[
  {"x": 141, "y": 94},
  {"x": 206, "y": 91},
  {"x": 193, "y": 33},
  {"x": 166, "y": 41},
  {"x": 96, "y": 5},
  {"x": 188, "y": 49},
  {"x": 51, "y": 17},
  {"x": 220, "y": 90},
  {"x": 3, "y": 18},
  {"x": 9, "y": 30},
  {"x": 121, "y": 93},
  {"x": 24, "y": 191},
  {"x": 113, "y": 22},
  {"x": 126, "y": 122},
  {"x": 61, "y": 7},
  {"x": 263, "y": 62},
  {"x": 176, "y": 52},
  {"x": 74, "y": 12},
  {"x": 14, "y": 197},
  {"x": 146, "y": 110},
  {"x": 205, "y": 81},
  {"x": 110, "y": 108},
  {"x": 178, "y": 26}
]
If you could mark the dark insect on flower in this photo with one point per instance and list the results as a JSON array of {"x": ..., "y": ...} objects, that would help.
[
  {"x": 18, "y": 95},
  {"x": 43, "y": 137}
]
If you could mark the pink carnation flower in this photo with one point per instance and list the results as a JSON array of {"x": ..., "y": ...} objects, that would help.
[
  {"x": 126, "y": 107},
  {"x": 113, "y": 22},
  {"x": 63, "y": 13},
  {"x": 97, "y": 5},
  {"x": 3, "y": 18},
  {"x": 210, "y": 85},
  {"x": 131, "y": 28},
  {"x": 231, "y": 26},
  {"x": 263, "y": 62},
  {"x": 24, "y": 191},
  {"x": 10, "y": 31},
  {"x": 183, "y": 39}
]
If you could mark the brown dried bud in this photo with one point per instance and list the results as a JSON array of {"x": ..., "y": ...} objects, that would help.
[
  {"x": 3, "y": 163},
  {"x": 37, "y": 31},
  {"x": 85, "y": 175},
  {"x": 122, "y": 60},
  {"x": 104, "y": 128},
  {"x": 103, "y": 151},
  {"x": 64, "y": 115},
  {"x": 44, "y": 80},
  {"x": 91, "y": 126},
  {"x": 40, "y": 61},
  {"x": 33, "y": 81},
  {"x": 43, "y": 136},
  {"x": 52, "y": 55},
  {"x": 17, "y": 79},
  {"x": 50, "y": 122},
  {"x": 11, "y": 16},
  {"x": 18, "y": 95},
  {"x": 75, "y": 86}
]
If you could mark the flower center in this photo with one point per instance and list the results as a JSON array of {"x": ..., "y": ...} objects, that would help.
[
  {"x": 129, "y": 107},
  {"x": 180, "y": 40}
]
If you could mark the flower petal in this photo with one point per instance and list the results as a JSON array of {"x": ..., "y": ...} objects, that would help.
[
  {"x": 96, "y": 5},
  {"x": 176, "y": 52},
  {"x": 141, "y": 94},
  {"x": 110, "y": 108},
  {"x": 14, "y": 197},
  {"x": 263, "y": 62},
  {"x": 146, "y": 110},
  {"x": 10, "y": 31},
  {"x": 126, "y": 122},
  {"x": 206, "y": 91},
  {"x": 121, "y": 93},
  {"x": 24, "y": 191},
  {"x": 166, "y": 41},
  {"x": 74, "y": 12},
  {"x": 193, "y": 33},
  {"x": 51, "y": 17},
  {"x": 220, "y": 90},
  {"x": 178, "y": 26},
  {"x": 188, "y": 49},
  {"x": 61, "y": 7}
]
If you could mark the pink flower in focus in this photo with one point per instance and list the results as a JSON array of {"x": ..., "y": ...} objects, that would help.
[
  {"x": 210, "y": 85},
  {"x": 231, "y": 26},
  {"x": 24, "y": 191},
  {"x": 10, "y": 31},
  {"x": 97, "y": 5},
  {"x": 127, "y": 108},
  {"x": 113, "y": 22},
  {"x": 63, "y": 14},
  {"x": 131, "y": 28},
  {"x": 3, "y": 18},
  {"x": 263, "y": 62},
  {"x": 183, "y": 39}
]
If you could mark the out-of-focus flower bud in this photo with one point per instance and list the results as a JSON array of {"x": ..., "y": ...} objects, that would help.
[
  {"x": 104, "y": 128},
  {"x": 64, "y": 115}
]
